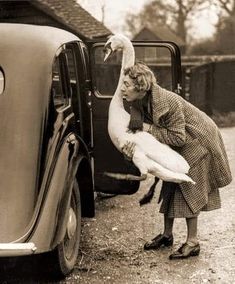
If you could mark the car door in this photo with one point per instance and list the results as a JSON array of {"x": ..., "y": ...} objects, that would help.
[{"x": 164, "y": 60}]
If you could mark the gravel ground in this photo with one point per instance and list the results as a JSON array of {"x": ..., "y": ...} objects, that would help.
[
  {"x": 112, "y": 243},
  {"x": 112, "y": 252}
]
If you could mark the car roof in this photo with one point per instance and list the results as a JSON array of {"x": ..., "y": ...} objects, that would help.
[
  {"x": 43, "y": 36},
  {"x": 30, "y": 48},
  {"x": 27, "y": 53}
]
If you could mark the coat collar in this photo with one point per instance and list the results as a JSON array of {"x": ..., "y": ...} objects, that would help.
[{"x": 160, "y": 103}]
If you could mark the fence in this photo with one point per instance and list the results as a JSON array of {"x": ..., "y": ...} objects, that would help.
[{"x": 211, "y": 85}]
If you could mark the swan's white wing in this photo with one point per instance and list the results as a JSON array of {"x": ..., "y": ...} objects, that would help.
[
  {"x": 146, "y": 165},
  {"x": 161, "y": 153},
  {"x": 167, "y": 175}
]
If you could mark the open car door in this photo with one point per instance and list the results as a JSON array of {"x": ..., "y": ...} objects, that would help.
[{"x": 164, "y": 60}]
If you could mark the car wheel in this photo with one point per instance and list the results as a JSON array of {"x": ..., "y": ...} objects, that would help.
[{"x": 66, "y": 253}]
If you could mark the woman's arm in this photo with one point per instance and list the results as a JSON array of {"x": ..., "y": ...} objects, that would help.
[{"x": 171, "y": 126}]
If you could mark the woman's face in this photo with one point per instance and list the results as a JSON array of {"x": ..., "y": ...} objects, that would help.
[{"x": 128, "y": 90}]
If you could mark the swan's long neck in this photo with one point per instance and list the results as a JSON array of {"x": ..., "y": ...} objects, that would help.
[
  {"x": 128, "y": 60},
  {"x": 128, "y": 56}
]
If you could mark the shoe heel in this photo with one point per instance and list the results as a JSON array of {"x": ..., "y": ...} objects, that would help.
[
  {"x": 195, "y": 253},
  {"x": 169, "y": 244}
]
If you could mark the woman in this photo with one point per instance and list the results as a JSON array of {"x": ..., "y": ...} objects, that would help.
[{"x": 176, "y": 122}]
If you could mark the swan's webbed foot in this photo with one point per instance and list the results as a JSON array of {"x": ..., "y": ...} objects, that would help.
[{"x": 149, "y": 195}]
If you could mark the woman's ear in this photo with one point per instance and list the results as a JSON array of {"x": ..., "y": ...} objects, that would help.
[{"x": 143, "y": 83}]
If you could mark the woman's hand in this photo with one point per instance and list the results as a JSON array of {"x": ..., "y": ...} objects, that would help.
[{"x": 128, "y": 150}]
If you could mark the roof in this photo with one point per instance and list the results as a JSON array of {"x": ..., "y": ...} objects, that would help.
[
  {"x": 70, "y": 13},
  {"x": 162, "y": 33}
]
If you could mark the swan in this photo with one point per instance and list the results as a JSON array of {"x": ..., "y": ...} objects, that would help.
[{"x": 150, "y": 156}]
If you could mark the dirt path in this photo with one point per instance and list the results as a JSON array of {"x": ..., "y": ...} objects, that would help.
[{"x": 112, "y": 243}]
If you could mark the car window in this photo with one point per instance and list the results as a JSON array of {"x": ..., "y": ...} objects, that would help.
[
  {"x": 60, "y": 86},
  {"x": 76, "y": 79},
  {"x": 158, "y": 58},
  {"x": 86, "y": 58},
  {"x": 71, "y": 66},
  {"x": 74, "y": 68},
  {"x": 60, "y": 95}
]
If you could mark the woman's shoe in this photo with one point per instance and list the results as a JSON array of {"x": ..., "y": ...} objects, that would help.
[
  {"x": 159, "y": 241},
  {"x": 186, "y": 251}
]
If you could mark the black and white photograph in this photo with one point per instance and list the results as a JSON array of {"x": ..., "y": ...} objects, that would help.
[{"x": 117, "y": 141}]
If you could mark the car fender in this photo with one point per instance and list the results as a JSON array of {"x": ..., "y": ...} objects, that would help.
[
  {"x": 84, "y": 181},
  {"x": 53, "y": 210}
]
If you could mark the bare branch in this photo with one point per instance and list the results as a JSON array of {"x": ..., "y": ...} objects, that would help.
[
  {"x": 174, "y": 14},
  {"x": 227, "y": 6}
]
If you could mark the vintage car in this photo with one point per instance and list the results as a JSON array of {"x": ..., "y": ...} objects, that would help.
[{"x": 54, "y": 147}]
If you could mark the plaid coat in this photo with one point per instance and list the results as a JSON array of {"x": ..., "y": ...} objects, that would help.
[{"x": 196, "y": 137}]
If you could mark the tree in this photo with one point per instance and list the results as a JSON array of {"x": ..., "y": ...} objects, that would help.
[
  {"x": 225, "y": 6},
  {"x": 174, "y": 14},
  {"x": 223, "y": 41},
  {"x": 87, "y": 4},
  {"x": 225, "y": 34},
  {"x": 204, "y": 47}
]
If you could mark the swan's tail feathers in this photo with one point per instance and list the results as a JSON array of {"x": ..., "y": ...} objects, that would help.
[
  {"x": 174, "y": 177},
  {"x": 191, "y": 181},
  {"x": 125, "y": 176},
  {"x": 179, "y": 178},
  {"x": 184, "y": 178}
]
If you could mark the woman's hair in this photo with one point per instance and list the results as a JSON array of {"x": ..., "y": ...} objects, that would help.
[{"x": 142, "y": 76}]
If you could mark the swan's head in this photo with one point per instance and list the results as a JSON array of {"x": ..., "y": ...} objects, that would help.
[{"x": 114, "y": 43}]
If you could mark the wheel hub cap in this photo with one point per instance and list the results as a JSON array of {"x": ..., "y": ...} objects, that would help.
[{"x": 72, "y": 224}]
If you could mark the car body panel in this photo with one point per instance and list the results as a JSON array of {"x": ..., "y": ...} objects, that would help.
[
  {"x": 54, "y": 206},
  {"x": 39, "y": 155}
]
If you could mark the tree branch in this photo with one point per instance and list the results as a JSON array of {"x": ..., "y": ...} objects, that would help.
[{"x": 224, "y": 4}]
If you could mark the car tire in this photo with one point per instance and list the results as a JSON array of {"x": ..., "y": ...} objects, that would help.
[{"x": 66, "y": 253}]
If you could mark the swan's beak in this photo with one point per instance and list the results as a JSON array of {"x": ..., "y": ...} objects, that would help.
[{"x": 107, "y": 51}]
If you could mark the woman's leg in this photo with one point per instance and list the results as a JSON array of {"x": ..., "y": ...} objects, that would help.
[
  {"x": 191, "y": 247},
  {"x": 162, "y": 240},
  {"x": 168, "y": 226},
  {"x": 192, "y": 230}
]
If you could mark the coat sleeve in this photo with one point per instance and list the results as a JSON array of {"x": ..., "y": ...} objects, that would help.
[{"x": 169, "y": 123}]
